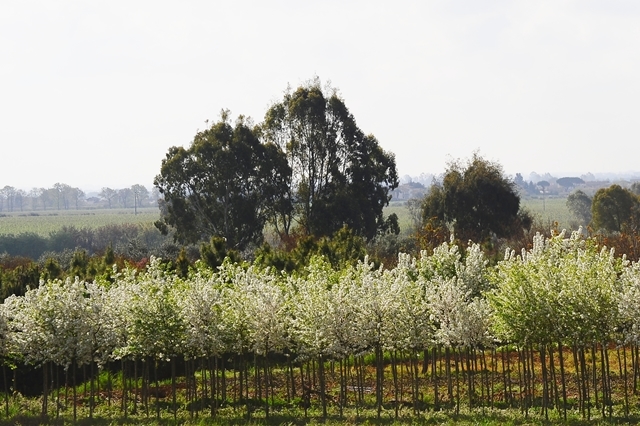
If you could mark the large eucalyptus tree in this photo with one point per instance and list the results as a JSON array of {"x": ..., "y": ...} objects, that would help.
[
  {"x": 225, "y": 184},
  {"x": 340, "y": 175}
]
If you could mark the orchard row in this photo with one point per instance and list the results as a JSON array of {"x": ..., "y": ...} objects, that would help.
[{"x": 562, "y": 304}]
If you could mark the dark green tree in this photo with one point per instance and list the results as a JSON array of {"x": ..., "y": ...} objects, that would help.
[
  {"x": 613, "y": 208},
  {"x": 215, "y": 252},
  {"x": 579, "y": 204},
  {"x": 477, "y": 201},
  {"x": 340, "y": 176},
  {"x": 222, "y": 185},
  {"x": 569, "y": 182}
]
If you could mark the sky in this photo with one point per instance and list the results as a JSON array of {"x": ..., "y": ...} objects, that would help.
[{"x": 94, "y": 93}]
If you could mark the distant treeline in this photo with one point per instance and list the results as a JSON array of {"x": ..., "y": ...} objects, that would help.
[{"x": 65, "y": 197}]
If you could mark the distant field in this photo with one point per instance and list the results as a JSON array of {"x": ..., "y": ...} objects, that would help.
[
  {"x": 45, "y": 222},
  {"x": 404, "y": 218},
  {"x": 550, "y": 210},
  {"x": 545, "y": 211}
]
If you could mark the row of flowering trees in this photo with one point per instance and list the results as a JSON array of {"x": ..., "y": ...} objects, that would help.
[{"x": 445, "y": 325}]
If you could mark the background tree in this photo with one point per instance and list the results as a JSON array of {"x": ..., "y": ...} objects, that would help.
[
  {"x": 477, "y": 200},
  {"x": 77, "y": 196},
  {"x": 613, "y": 208},
  {"x": 7, "y": 197},
  {"x": 108, "y": 194},
  {"x": 414, "y": 205},
  {"x": 339, "y": 175},
  {"x": 635, "y": 188},
  {"x": 35, "y": 194},
  {"x": 216, "y": 186},
  {"x": 140, "y": 196},
  {"x": 20, "y": 197},
  {"x": 50, "y": 197},
  {"x": 579, "y": 204},
  {"x": 62, "y": 195},
  {"x": 569, "y": 182},
  {"x": 125, "y": 195}
]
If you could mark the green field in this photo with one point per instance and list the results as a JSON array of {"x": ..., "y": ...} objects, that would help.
[
  {"x": 545, "y": 211},
  {"x": 550, "y": 210},
  {"x": 404, "y": 218},
  {"x": 44, "y": 223}
]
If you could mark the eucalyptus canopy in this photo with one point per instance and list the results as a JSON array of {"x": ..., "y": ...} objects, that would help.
[{"x": 340, "y": 175}]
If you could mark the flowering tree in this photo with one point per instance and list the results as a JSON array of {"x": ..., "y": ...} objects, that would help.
[{"x": 563, "y": 292}]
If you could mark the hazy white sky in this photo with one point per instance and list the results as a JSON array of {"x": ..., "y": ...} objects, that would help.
[{"x": 93, "y": 93}]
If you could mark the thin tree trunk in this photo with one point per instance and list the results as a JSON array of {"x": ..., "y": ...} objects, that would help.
[
  {"x": 155, "y": 376},
  {"x": 545, "y": 381},
  {"x": 594, "y": 374},
  {"x": 447, "y": 369},
  {"x": 57, "y": 387},
  {"x": 266, "y": 384},
  {"x": 394, "y": 373},
  {"x": 554, "y": 379},
  {"x": 626, "y": 382},
  {"x": 173, "y": 388},
  {"x": 91, "y": 390},
  {"x": 563, "y": 380},
  {"x": 607, "y": 400},
  {"x": 507, "y": 392},
  {"x": 434, "y": 371},
  {"x": 458, "y": 360},
  {"x": 45, "y": 389},
  {"x": 74, "y": 365},
  {"x": 124, "y": 388},
  {"x": 6, "y": 390},
  {"x": 213, "y": 375},
  {"x": 323, "y": 386}
]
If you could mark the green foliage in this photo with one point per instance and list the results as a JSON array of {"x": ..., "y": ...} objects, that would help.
[
  {"x": 340, "y": 176},
  {"x": 135, "y": 241},
  {"x": 222, "y": 185},
  {"x": 52, "y": 270},
  {"x": 215, "y": 252},
  {"x": 562, "y": 290},
  {"x": 332, "y": 327},
  {"x": 477, "y": 200},
  {"x": 280, "y": 260},
  {"x": 614, "y": 208},
  {"x": 569, "y": 182},
  {"x": 27, "y": 244},
  {"x": 182, "y": 264},
  {"x": 16, "y": 275},
  {"x": 343, "y": 249},
  {"x": 579, "y": 204}
]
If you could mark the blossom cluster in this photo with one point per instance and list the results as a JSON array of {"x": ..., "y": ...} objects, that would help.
[{"x": 565, "y": 289}]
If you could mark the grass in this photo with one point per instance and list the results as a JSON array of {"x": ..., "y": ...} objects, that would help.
[
  {"x": 404, "y": 217},
  {"x": 43, "y": 223},
  {"x": 550, "y": 210},
  {"x": 26, "y": 411}
]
